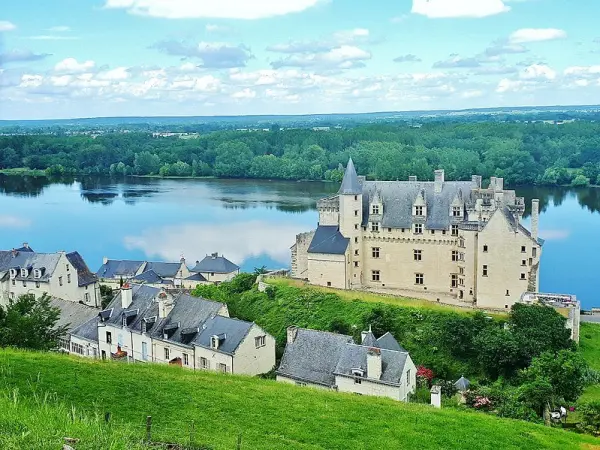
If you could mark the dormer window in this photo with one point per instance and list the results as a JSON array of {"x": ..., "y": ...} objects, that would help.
[
  {"x": 375, "y": 226},
  {"x": 214, "y": 342},
  {"x": 13, "y": 273},
  {"x": 456, "y": 211},
  {"x": 419, "y": 211},
  {"x": 37, "y": 273},
  {"x": 375, "y": 209},
  {"x": 358, "y": 372},
  {"x": 24, "y": 272}
]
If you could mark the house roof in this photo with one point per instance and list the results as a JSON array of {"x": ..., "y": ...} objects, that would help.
[
  {"x": 87, "y": 330},
  {"x": 114, "y": 268},
  {"x": 47, "y": 262},
  {"x": 84, "y": 275},
  {"x": 329, "y": 240},
  {"x": 389, "y": 342},
  {"x": 350, "y": 182},
  {"x": 215, "y": 264},
  {"x": 355, "y": 357},
  {"x": 462, "y": 384},
  {"x": 196, "y": 277},
  {"x": 150, "y": 277},
  {"x": 313, "y": 356},
  {"x": 164, "y": 269},
  {"x": 233, "y": 330},
  {"x": 73, "y": 315},
  {"x": 369, "y": 339},
  {"x": 143, "y": 299},
  {"x": 25, "y": 248}
]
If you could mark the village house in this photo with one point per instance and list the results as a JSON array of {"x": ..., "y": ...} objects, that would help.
[
  {"x": 115, "y": 272},
  {"x": 148, "y": 324},
  {"x": 449, "y": 241},
  {"x": 61, "y": 275},
  {"x": 377, "y": 367},
  {"x": 214, "y": 269},
  {"x": 75, "y": 316}
]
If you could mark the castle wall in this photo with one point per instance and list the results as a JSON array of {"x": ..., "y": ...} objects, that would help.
[
  {"x": 328, "y": 270},
  {"x": 300, "y": 255}
]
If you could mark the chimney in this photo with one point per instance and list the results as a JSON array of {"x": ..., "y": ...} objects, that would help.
[
  {"x": 436, "y": 396},
  {"x": 374, "y": 363},
  {"x": 535, "y": 218},
  {"x": 182, "y": 260},
  {"x": 492, "y": 183},
  {"x": 164, "y": 305},
  {"x": 214, "y": 255},
  {"x": 126, "y": 296},
  {"x": 104, "y": 260},
  {"x": 412, "y": 178},
  {"x": 439, "y": 180},
  {"x": 292, "y": 332},
  {"x": 25, "y": 245},
  {"x": 476, "y": 179}
]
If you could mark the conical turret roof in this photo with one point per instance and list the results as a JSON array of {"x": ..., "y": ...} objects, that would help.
[{"x": 350, "y": 184}]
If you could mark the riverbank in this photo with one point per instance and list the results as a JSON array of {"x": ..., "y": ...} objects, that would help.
[{"x": 24, "y": 171}]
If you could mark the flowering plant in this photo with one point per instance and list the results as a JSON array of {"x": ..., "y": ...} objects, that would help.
[{"x": 424, "y": 376}]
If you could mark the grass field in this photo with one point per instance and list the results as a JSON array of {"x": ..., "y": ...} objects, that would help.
[
  {"x": 267, "y": 414},
  {"x": 589, "y": 342}
]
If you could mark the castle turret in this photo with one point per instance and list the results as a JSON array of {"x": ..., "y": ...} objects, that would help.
[{"x": 351, "y": 218}]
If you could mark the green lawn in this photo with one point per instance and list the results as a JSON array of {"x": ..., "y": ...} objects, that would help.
[
  {"x": 269, "y": 415},
  {"x": 589, "y": 342}
]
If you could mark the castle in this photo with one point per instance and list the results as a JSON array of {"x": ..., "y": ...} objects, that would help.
[{"x": 447, "y": 241}]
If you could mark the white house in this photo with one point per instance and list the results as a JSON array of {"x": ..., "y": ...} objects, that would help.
[
  {"x": 215, "y": 269},
  {"x": 61, "y": 275},
  {"x": 82, "y": 330},
  {"x": 114, "y": 272},
  {"x": 147, "y": 324},
  {"x": 377, "y": 367}
]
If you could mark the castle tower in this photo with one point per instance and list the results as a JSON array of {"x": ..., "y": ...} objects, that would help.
[{"x": 350, "y": 224}]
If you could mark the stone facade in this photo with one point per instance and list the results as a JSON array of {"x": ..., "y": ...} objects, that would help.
[{"x": 452, "y": 242}]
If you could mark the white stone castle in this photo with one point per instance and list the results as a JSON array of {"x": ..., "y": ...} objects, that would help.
[{"x": 447, "y": 241}]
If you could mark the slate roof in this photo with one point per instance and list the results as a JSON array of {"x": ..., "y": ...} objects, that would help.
[
  {"x": 215, "y": 264},
  {"x": 234, "y": 332},
  {"x": 25, "y": 248},
  {"x": 142, "y": 299},
  {"x": 389, "y": 342},
  {"x": 84, "y": 275},
  {"x": 196, "y": 277},
  {"x": 72, "y": 314},
  {"x": 329, "y": 240},
  {"x": 17, "y": 260},
  {"x": 88, "y": 330},
  {"x": 313, "y": 356},
  {"x": 350, "y": 182},
  {"x": 119, "y": 268},
  {"x": 398, "y": 198},
  {"x": 355, "y": 357},
  {"x": 163, "y": 269},
  {"x": 462, "y": 384},
  {"x": 150, "y": 277},
  {"x": 369, "y": 340}
]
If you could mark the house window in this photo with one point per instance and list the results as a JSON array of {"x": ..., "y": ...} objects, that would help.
[
  {"x": 67, "y": 267},
  {"x": 418, "y": 210},
  {"x": 86, "y": 296},
  {"x": 260, "y": 341},
  {"x": 485, "y": 270},
  {"x": 60, "y": 281},
  {"x": 14, "y": 282},
  {"x": 357, "y": 380},
  {"x": 375, "y": 209},
  {"x": 408, "y": 377},
  {"x": 456, "y": 210},
  {"x": 454, "y": 230},
  {"x": 37, "y": 284},
  {"x": 523, "y": 262},
  {"x": 523, "y": 249},
  {"x": 419, "y": 278},
  {"x": 356, "y": 226},
  {"x": 534, "y": 252},
  {"x": 356, "y": 252},
  {"x": 23, "y": 272},
  {"x": 167, "y": 354},
  {"x": 77, "y": 348},
  {"x": 68, "y": 278},
  {"x": 485, "y": 249},
  {"x": 418, "y": 228},
  {"x": 454, "y": 281},
  {"x": 145, "y": 351},
  {"x": 375, "y": 226},
  {"x": 461, "y": 282},
  {"x": 355, "y": 197},
  {"x": 443, "y": 232},
  {"x": 64, "y": 344},
  {"x": 222, "y": 368},
  {"x": 329, "y": 284},
  {"x": 355, "y": 263},
  {"x": 186, "y": 359},
  {"x": 12, "y": 295},
  {"x": 454, "y": 255},
  {"x": 204, "y": 363},
  {"x": 375, "y": 252},
  {"x": 523, "y": 276},
  {"x": 108, "y": 337},
  {"x": 375, "y": 275},
  {"x": 432, "y": 231},
  {"x": 214, "y": 341},
  {"x": 418, "y": 255},
  {"x": 124, "y": 321}
]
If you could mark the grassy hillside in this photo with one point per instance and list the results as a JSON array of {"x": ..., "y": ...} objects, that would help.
[
  {"x": 269, "y": 415},
  {"x": 589, "y": 342}
]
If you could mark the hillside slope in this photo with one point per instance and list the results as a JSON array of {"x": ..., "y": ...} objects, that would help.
[{"x": 268, "y": 415}]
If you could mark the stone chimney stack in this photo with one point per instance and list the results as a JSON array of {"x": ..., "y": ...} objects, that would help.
[
  {"x": 374, "y": 366},
  {"x": 292, "y": 332},
  {"x": 165, "y": 305},
  {"x": 439, "y": 180},
  {"x": 535, "y": 218},
  {"x": 126, "y": 296},
  {"x": 104, "y": 260},
  {"x": 25, "y": 245}
]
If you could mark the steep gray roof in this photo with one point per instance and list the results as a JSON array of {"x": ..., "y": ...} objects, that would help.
[
  {"x": 150, "y": 277},
  {"x": 143, "y": 297},
  {"x": 355, "y": 357},
  {"x": 25, "y": 248},
  {"x": 119, "y": 268},
  {"x": 462, "y": 384},
  {"x": 313, "y": 356},
  {"x": 398, "y": 198},
  {"x": 84, "y": 276},
  {"x": 215, "y": 264},
  {"x": 88, "y": 330},
  {"x": 73, "y": 314},
  {"x": 369, "y": 340},
  {"x": 329, "y": 240},
  {"x": 163, "y": 269},
  {"x": 196, "y": 277},
  {"x": 389, "y": 342},
  {"x": 350, "y": 183},
  {"x": 233, "y": 332},
  {"x": 47, "y": 262}
]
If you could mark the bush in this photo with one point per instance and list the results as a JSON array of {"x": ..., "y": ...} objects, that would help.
[
  {"x": 580, "y": 181},
  {"x": 421, "y": 395},
  {"x": 589, "y": 414}
]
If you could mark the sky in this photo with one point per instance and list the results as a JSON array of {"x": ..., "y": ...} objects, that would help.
[{"x": 92, "y": 58}]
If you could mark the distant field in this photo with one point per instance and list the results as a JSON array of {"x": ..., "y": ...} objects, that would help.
[
  {"x": 268, "y": 415},
  {"x": 23, "y": 171}
]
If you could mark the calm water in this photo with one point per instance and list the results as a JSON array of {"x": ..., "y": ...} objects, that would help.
[{"x": 252, "y": 222}]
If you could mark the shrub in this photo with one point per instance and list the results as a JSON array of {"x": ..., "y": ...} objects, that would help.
[{"x": 589, "y": 414}]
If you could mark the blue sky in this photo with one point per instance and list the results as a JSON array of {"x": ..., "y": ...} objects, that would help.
[{"x": 74, "y": 58}]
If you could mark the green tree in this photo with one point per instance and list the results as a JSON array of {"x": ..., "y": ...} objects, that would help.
[
  {"x": 233, "y": 160},
  {"x": 589, "y": 418},
  {"x": 107, "y": 294},
  {"x": 580, "y": 181},
  {"x": 498, "y": 352},
  {"x": 30, "y": 323},
  {"x": 146, "y": 163}
]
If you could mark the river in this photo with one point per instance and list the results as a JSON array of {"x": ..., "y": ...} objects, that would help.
[{"x": 251, "y": 222}]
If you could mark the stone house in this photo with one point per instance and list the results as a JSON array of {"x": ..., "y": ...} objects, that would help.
[
  {"x": 61, "y": 275},
  {"x": 453, "y": 242},
  {"x": 376, "y": 367},
  {"x": 113, "y": 272},
  {"x": 147, "y": 324},
  {"x": 214, "y": 269}
]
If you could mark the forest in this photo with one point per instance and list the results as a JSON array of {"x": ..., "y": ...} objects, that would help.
[{"x": 522, "y": 153}]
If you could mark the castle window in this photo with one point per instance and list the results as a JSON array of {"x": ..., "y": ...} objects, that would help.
[
  {"x": 375, "y": 226},
  {"x": 454, "y": 255},
  {"x": 375, "y": 209},
  {"x": 375, "y": 275},
  {"x": 456, "y": 210},
  {"x": 24, "y": 283},
  {"x": 375, "y": 252},
  {"x": 356, "y": 240},
  {"x": 355, "y": 263},
  {"x": 403, "y": 230},
  {"x": 329, "y": 284},
  {"x": 443, "y": 231},
  {"x": 418, "y": 228},
  {"x": 356, "y": 197},
  {"x": 454, "y": 230},
  {"x": 485, "y": 249},
  {"x": 68, "y": 278},
  {"x": 454, "y": 282},
  {"x": 507, "y": 293},
  {"x": 523, "y": 249},
  {"x": 461, "y": 282},
  {"x": 417, "y": 255},
  {"x": 419, "y": 278},
  {"x": 60, "y": 281},
  {"x": 432, "y": 231},
  {"x": 485, "y": 270},
  {"x": 67, "y": 267},
  {"x": 356, "y": 212},
  {"x": 418, "y": 210},
  {"x": 389, "y": 230},
  {"x": 523, "y": 262},
  {"x": 523, "y": 276},
  {"x": 534, "y": 252},
  {"x": 356, "y": 226},
  {"x": 356, "y": 252},
  {"x": 37, "y": 284},
  {"x": 461, "y": 270}
]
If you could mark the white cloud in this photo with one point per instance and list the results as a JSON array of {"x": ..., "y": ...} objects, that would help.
[
  {"x": 343, "y": 57},
  {"x": 437, "y": 9},
  {"x": 59, "y": 29},
  {"x": 582, "y": 70},
  {"x": 507, "y": 85},
  {"x": 52, "y": 37},
  {"x": 71, "y": 65},
  {"x": 536, "y": 35},
  {"x": 221, "y": 9},
  {"x": 8, "y": 221},
  {"x": 244, "y": 94},
  {"x": 539, "y": 72},
  {"x": 5, "y": 25},
  {"x": 119, "y": 73}
]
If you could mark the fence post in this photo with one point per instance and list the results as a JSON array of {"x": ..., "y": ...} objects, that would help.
[
  {"x": 149, "y": 428},
  {"x": 239, "y": 442}
]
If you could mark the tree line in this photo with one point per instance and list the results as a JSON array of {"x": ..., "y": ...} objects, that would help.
[{"x": 521, "y": 153}]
